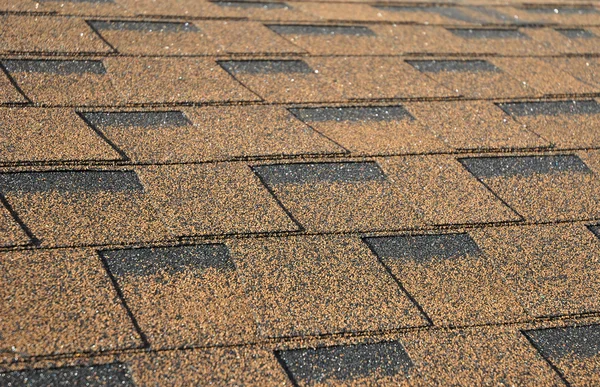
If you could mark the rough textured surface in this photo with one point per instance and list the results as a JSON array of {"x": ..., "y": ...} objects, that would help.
[{"x": 299, "y": 193}]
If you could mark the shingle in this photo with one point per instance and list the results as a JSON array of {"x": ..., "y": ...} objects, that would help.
[
  {"x": 573, "y": 350},
  {"x": 575, "y": 33},
  {"x": 551, "y": 108},
  {"x": 217, "y": 198},
  {"x": 143, "y": 26},
  {"x": 488, "y": 33},
  {"x": 74, "y": 208},
  {"x": 449, "y": 277},
  {"x": 542, "y": 76},
  {"x": 63, "y": 82},
  {"x": 365, "y": 78},
  {"x": 384, "y": 113},
  {"x": 283, "y": 80},
  {"x": 315, "y": 285},
  {"x": 59, "y": 302},
  {"x": 423, "y": 248},
  {"x": 346, "y": 363},
  {"x": 582, "y": 341},
  {"x": 437, "y": 66},
  {"x": 372, "y": 130},
  {"x": 251, "y": 4},
  {"x": 473, "y": 78},
  {"x": 341, "y": 201},
  {"x": 477, "y": 356},
  {"x": 99, "y": 375},
  {"x": 49, "y": 135},
  {"x": 302, "y": 29},
  {"x": 143, "y": 262},
  {"x": 49, "y": 34},
  {"x": 183, "y": 295},
  {"x": 568, "y": 124},
  {"x": 552, "y": 269},
  {"x": 244, "y": 365},
  {"x": 137, "y": 119},
  {"x": 474, "y": 125},
  {"x": 168, "y": 80}
]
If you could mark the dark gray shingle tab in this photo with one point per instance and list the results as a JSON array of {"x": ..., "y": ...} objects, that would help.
[
  {"x": 305, "y": 173},
  {"x": 144, "y": 26},
  {"x": 59, "y": 67},
  {"x": 322, "y": 30},
  {"x": 550, "y": 108},
  {"x": 438, "y": 66},
  {"x": 108, "y": 375},
  {"x": 488, "y": 33},
  {"x": 358, "y": 113},
  {"x": 176, "y": 259},
  {"x": 266, "y": 66},
  {"x": 556, "y": 343},
  {"x": 346, "y": 362},
  {"x": 137, "y": 119},
  {"x": 423, "y": 248},
  {"x": 488, "y": 167},
  {"x": 70, "y": 181}
]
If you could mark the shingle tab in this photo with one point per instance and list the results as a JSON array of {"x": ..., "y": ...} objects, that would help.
[
  {"x": 385, "y": 113},
  {"x": 147, "y": 261},
  {"x": 252, "y": 4},
  {"x": 487, "y": 167},
  {"x": 319, "y": 172},
  {"x": 93, "y": 376},
  {"x": 345, "y": 363},
  {"x": 551, "y": 108},
  {"x": 70, "y": 181},
  {"x": 575, "y": 33},
  {"x": 144, "y": 26},
  {"x": 579, "y": 341},
  {"x": 60, "y": 67},
  {"x": 137, "y": 119},
  {"x": 266, "y": 66},
  {"x": 437, "y": 66},
  {"x": 322, "y": 30},
  {"x": 422, "y": 248},
  {"x": 487, "y": 33}
]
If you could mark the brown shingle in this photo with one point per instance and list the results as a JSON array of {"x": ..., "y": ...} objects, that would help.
[
  {"x": 541, "y": 188},
  {"x": 49, "y": 34},
  {"x": 473, "y": 78},
  {"x": 224, "y": 198},
  {"x": 317, "y": 285},
  {"x": 160, "y": 80},
  {"x": 282, "y": 80},
  {"x": 552, "y": 269},
  {"x": 63, "y": 82},
  {"x": 362, "y": 78},
  {"x": 210, "y": 133},
  {"x": 372, "y": 129},
  {"x": 49, "y": 135},
  {"x": 66, "y": 208},
  {"x": 542, "y": 77},
  {"x": 183, "y": 295},
  {"x": 248, "y": 366},
  {"x": 447, "y": 274},
  {"x": 474, "y": 125},
  {"x": 59, "y": 302},
  {"x": 442, "y": 192}
]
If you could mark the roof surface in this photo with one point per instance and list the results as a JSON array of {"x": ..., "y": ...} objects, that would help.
[{"x": 305, "y": 193}]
